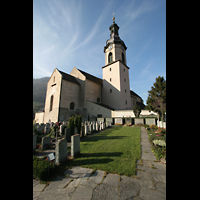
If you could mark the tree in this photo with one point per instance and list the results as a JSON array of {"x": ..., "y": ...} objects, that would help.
[
  {"x": 137, "y": 110},
  {"x": 156, "y": 100}
]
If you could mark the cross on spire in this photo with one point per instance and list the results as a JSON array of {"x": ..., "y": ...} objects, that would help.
[{"x": 113, "y": 18}]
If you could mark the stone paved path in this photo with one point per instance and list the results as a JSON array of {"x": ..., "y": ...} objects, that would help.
[{"x": 84, "y": 184}]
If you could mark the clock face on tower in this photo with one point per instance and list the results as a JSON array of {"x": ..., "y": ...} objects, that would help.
[{"x": 110, "y": 47}]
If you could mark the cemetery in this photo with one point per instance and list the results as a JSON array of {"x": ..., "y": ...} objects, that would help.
[{"x": 92, "y": 144}]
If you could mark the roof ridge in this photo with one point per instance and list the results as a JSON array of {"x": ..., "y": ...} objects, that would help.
[
  {"x": 92, "y": 77},
  {"x": 89, "y": 74}
]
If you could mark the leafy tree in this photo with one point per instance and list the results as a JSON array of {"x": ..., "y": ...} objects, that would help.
[
  {"x": 157, "y": 97},
  {"x": 137, "y": 110}
]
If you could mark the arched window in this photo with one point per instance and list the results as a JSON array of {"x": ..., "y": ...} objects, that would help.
[
  {"x": 72, "y": 104},
  {"x": 51, "y": 103},
  {"x": 110, "y": 57},
  {"x": 123, "y": 60}
]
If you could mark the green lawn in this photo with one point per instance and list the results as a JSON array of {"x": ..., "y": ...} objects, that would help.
[{"x": 115, "y": 150}]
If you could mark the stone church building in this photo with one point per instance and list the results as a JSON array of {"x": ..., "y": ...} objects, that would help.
[{"x": 84, "y": 94}]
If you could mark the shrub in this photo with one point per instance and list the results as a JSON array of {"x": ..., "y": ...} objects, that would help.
[
  {"x": 159, "y": 152},
  {"x": 75, "y": 121},
  {"x": 153, "y": 127},
  {"x": 40, "y": 168},
  {"x": 71, "y": 124}
]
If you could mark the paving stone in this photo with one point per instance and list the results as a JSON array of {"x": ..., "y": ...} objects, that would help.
[
  {"x": 74, "y": 183},
  {"x": 88, "y": 183},
  {"x": 98, "y": 176},
  {"x": 128, "y": 191},
  {"x": 105, "y": 192},
  {"x": 144, "y": 175},
  {"x": 36, "y": 195},
  {"x": 82, "y": 192},
  {"x": 157, "y": 177},
  {"x": 112, "y": 179},
  {"x": 161, "y": 187},
  {"x": 58, "y": 194},
  {"x": 78, "y": 172},
  {"x": 163, "y": 176},
  {"x": 151, "y": 194},
  {"x": 35, "y": 182},
  {"x": 147, "y": 184},
  {"x": 39, "y": 187},
  {"x": 59, "y": 182}
]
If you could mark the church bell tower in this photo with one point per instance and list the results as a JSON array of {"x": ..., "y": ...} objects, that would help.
[{"x": 116, "y": 87}]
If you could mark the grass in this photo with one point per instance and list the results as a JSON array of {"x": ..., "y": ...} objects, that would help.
[{"x": 114, "y": 150}]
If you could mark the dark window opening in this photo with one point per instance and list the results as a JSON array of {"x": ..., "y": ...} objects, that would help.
[
  {"x": 51, "y": 103},
  {"x": 72, "y": 104},
  {"x": 123, "y": 60},
  {"x": 110, "y": 58}
]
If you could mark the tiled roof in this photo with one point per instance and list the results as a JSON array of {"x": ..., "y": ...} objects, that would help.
[{"x": 134, "y": 94}]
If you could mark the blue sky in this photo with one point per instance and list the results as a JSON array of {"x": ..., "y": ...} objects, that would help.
[{"x": 68, "y": 33}]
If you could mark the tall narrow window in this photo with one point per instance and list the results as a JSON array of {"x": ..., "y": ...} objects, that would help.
[
  {"x": 51, "y": 103},
  {"x": 110, "y": 90},
  {"x": 123, "y": 60},
  {"x": 72, "y": 104},
  {"x": 110, "y": 57}
]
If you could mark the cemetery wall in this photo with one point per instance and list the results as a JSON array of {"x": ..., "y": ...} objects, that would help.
[{"x": 130, "y": 113}]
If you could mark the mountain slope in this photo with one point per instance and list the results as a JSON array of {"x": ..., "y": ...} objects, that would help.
[{"x": 39, "y": 89}]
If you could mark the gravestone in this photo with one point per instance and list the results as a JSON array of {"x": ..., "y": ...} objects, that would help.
[
  {"x": 128, "y": 121},
  {"x": 100, "y": 127},
  {"x": 150, "y": 121},
  {"x": 93, "y": 126},
  {"x": 46, "y": 141},
  {"x": 34, "y": 141},
  {"x": 97, "y": 126},
  {"x": 103, "y": 125},
  {"x": 68, "y": 134},
  {"x": 61, "y": 128},
  {"x": 139, "y": 121},
  {"x": 61, "y": 151},
  {"x": 86, "y": 130},
  {"x": 40, "y": 128},
  {"x": 75, "y": 144},
  {"x": 47, "y": 128},
  {"x": 82, "y": 130}
]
